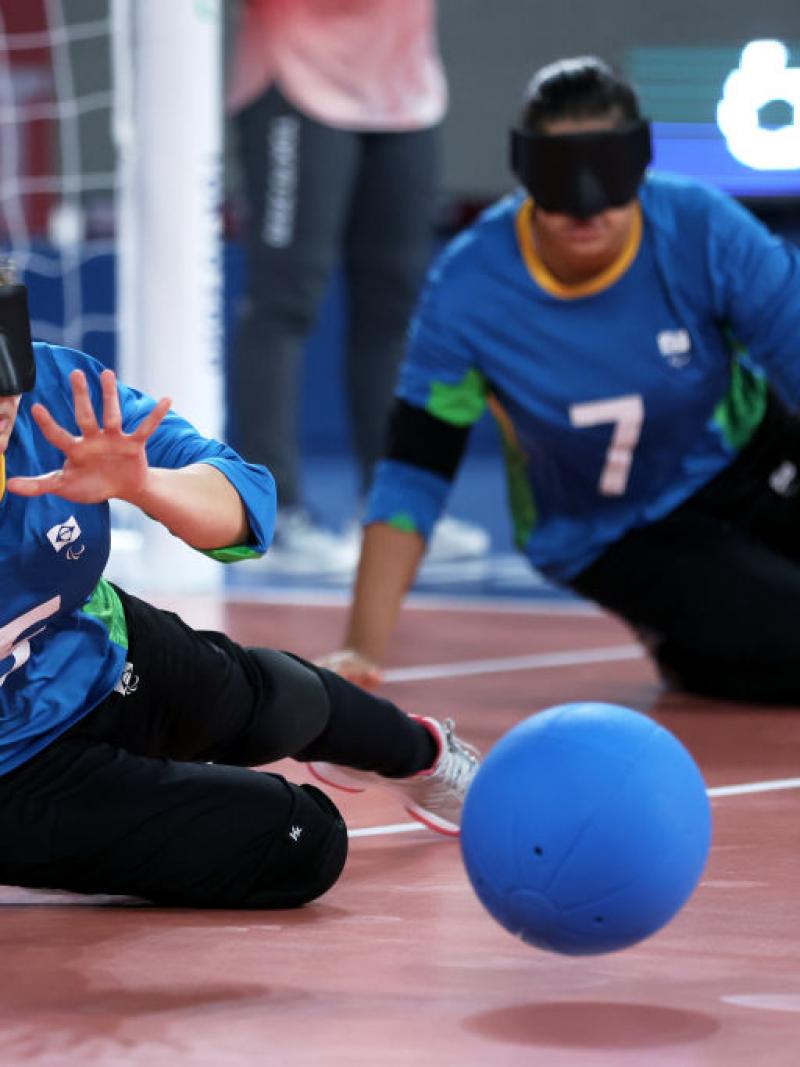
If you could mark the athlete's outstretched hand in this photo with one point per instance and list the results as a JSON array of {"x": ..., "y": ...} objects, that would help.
[
  {"x": 353, "y": 666},
  {"x": 102, "y": 463}
]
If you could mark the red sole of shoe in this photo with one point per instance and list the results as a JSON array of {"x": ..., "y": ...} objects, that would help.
[
  {"x": 334, "y": 785},
  {"x": 443, "y": 829}
]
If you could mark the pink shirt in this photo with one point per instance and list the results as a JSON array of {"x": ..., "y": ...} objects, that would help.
[{"x": 356, "y": 64}]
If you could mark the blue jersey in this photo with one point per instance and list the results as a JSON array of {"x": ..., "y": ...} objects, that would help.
[
  {"x": 62, "y": 629},
  {"x": 616, "y": 399}
]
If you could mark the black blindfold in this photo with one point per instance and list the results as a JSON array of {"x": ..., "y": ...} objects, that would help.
[
  {"x": 582, "y": 174},
  {"x": 17, "y": 364}
]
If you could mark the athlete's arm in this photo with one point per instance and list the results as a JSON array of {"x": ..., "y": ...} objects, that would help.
[
  {"x": 389, "y": 562},
  {"x": 196, "y": 503},
  {"x": 424, "y": 452},
  {"x": 756, "y": 279}
]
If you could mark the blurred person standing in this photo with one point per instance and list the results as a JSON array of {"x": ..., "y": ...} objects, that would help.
[{"x": 338, "y": 106}]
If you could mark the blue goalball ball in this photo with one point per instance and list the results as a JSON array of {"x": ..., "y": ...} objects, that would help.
[{"x": 586, "y": 828}]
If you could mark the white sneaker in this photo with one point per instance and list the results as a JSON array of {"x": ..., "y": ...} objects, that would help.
[
  {"x": 302, "y": 546},
  {"x": 456, "y": 539},
  {"x": 434, "y": 797}
]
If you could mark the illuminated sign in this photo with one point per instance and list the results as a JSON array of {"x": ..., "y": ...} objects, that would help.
[
  {"x": 762, "y": 78},
  {"x": 725, "y": 115}
]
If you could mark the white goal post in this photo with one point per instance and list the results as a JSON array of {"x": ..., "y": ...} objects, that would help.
[{"x": 168, "y": 133}]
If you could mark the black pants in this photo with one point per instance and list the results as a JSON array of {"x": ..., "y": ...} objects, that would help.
[
  {"x": 318, "y": 196},
  {"x": 714, "y": 588},
  {"x": 128, "y": 803}
]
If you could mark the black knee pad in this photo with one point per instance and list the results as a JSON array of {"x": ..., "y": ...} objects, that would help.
[
  {"x": 306, "y": 857},
  {"x": 296, "y": 703}
]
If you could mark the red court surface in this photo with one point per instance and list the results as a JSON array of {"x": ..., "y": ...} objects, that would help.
[{"x": 398, "y": 963}]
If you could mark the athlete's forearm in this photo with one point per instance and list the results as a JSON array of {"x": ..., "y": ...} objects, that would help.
[
  {"x": 197, "y": 504},
  {"x": 389, "y": 561}
]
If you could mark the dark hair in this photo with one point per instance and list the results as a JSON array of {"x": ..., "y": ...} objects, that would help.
[{"x": 584, "y": 87}]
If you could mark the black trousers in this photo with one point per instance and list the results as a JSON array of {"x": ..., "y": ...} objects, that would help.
[
  {"x": 714, "y": 588},
  {"x": 320, "y": 196},
  {"x": 151, "y": 796}
]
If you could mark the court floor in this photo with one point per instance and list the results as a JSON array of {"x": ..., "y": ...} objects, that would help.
[{"x": 398, "y": 963}]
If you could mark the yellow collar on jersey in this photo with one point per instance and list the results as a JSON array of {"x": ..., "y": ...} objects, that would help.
[
  {"x": 548, "y": 281},
  {"x": 2, "y": 476}
]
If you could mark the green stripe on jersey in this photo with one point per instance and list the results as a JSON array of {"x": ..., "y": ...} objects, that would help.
[
  {"x": 232, "y": 554},
  {"x": 520, "y": 494},
  {"x": 460, "y": 404},
  {"x": 403, "y": 521},
  {"x": 742, "y": 408},
  {"x": 105, "y": 606}
]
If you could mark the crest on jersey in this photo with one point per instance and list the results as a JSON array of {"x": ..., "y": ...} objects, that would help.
[
  {"x": 63, "y": 534},
  {"x": 675, "y": 346}
]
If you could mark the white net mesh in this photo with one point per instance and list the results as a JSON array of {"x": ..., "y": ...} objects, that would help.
[{"x": 57, "y": 166}]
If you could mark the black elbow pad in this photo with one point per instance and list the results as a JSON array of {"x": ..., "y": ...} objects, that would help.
[{"x": 421, "y": 440}]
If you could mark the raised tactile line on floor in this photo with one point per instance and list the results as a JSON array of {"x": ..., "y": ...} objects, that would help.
[
  {"x": 535, "y": 661},
  {"x": 754, "y": 787}
]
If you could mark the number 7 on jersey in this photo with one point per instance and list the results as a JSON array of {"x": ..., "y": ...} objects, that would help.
[{"x": 626, "y": 414}]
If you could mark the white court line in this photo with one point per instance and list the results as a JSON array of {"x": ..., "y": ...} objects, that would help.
[
  {"x": 774, "y": 786},
  {"x": 754, "y": 787},
  {"x": 394, "y": 828},
  {"x": 536, "y": 661}
]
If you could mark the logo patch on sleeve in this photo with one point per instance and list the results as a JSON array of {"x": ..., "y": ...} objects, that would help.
[{"x": 64, "y": 533}]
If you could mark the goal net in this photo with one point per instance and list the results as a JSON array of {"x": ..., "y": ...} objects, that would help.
[
  {"x": 57, "y": 169},
  {"x": 110, "y": 164}
]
